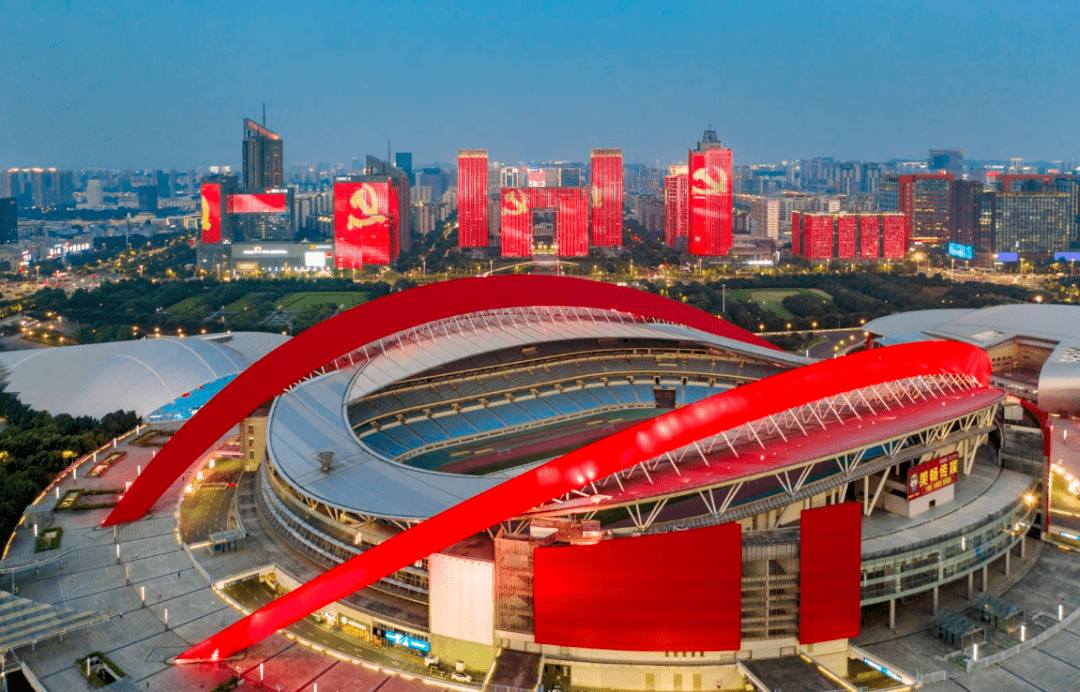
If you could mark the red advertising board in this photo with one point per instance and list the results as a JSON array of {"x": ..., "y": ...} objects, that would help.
[
  {"x": 606, "y": 181},
  {"x": 932, "y": 475},
  {"x": 817, "y": 236},
  {"x": 830, "y": 555},
  {"x": 347, "y": 242},
  {"x": 211, "y": 212},
  {"x": 515, "y": 223},
  {"x": 375, "y": 240},
  {"x": 869, "y": 236},
  {"x": 571, "y": 222},
  {"x": 472, "y": 198},
  {"x": 256, "y": 203},
  {"x": 893, "y": 236},
  {"x": 847, "y": 237},
  {"x": 679, "y": 591},
  {"x": 536, "y": 177}
]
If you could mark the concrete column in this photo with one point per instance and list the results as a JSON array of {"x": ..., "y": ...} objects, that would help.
[
  {"x": 971, "y": 586},
  {"x": 1023, "y": 547},
  {"x": 1005, "y": 566},
  {"x": 892, "y": 613},
  {"x": 985, "y": 575},
  {"x": 935, "y": 607}
]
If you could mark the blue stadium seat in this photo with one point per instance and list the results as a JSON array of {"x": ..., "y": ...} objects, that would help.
[
  {"x": 645, "y": 393},
  {"x": 582, "y": 398},
  {"x": 484, "y": 419},
  {"x": 562, "y": 403},
  {"x": 536, "y": 408},
  {"x": 457, "y": 425},
  {"x": 428, "y": 430},
  {"x": 512, "y": 414},
  {"x": 623, "y": 393},
  {"x": 603, "y": 395},
  {"x": 383, "y": 443}
]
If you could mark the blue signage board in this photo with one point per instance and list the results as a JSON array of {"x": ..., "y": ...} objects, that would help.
[
  {"x": 1066, "y": 256},
  {"x": 408, "y": 641},
  {"x": 885, "y": 671},
  {"x": 1007, "y": 257},
  {"x": 961, "y": 251}
]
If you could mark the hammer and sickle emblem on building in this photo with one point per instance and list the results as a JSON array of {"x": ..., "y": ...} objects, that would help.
[{"x": 365, "y": 200}]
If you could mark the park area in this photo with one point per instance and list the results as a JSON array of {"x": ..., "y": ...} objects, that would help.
[{"x": 772, "y": 299}]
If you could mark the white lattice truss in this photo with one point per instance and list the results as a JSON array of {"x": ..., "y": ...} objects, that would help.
[
  {"x": 830, "y": 413},
  {"x": 473, "y": 325}
]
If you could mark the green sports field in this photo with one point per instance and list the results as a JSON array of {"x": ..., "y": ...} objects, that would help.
[
  {"x": 299, "y": 301},
  {"x": 772, "y": 299}
]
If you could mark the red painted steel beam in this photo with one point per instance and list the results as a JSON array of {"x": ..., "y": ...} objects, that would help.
[
  {"x": 597, "y": 460},
  {"x": 376, "y": 320}
]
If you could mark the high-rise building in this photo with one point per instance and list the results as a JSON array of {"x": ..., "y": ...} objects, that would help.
[
  {"x": 1032, "y": 223},
  {"x": 965, "y": 214},
  {"x": 765, "y": 216},
  {"x": 948, "y": 160},
  {"x": 472, "y": 194},
  {"x": 676, "y": 206},
  {"x": 853, "y": 237},
  {"x": 369, "y": 220},
  {"x": 148, "y": 197},
  {"x": 1067, "y": 183},
  {"x": 264, "y": 157},
  {"x": 403, "y": 161},
  {"x": 924, "y": 201},
  {"x": 9, "y": 221},
  {"x": 606, "y": 185},
  {"x": 710, "y": 197}
]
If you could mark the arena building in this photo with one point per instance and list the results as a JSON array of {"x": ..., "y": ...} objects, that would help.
[{"x": 574, "y": 484}]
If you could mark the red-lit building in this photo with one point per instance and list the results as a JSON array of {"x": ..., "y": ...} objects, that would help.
[
  {"x": 848, "y": 236},
  {"x": 676, "y": 204},
  {"x": 368, "y": 220},
  {"x": 606, "y": 176},
  {"x": 472, "y": 193},
  {"x": 710, "y": 200},
  {"x": 570, "y": 204}
]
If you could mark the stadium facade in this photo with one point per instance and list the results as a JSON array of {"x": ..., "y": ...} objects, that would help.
[{"x": 628, "y": 487}]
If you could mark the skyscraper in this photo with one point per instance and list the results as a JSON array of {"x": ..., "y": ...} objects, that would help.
[
  {"x": 606, "y": 182},
  {"x": 403, "y": 161},
  {"x": 924, "y": 201},
  {"x": 264, "y": 157},
  {"x": 472, "y": 193},
  {"x": 1032, "y": 223},
  {"x": 710, "y": 197},
  {"x": 948, "y": 160},
  {"x": 676, "y": 205},
  {"x": 9, "y": 223}
]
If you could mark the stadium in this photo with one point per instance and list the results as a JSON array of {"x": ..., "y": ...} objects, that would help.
[{"x": 539, "y": 480}]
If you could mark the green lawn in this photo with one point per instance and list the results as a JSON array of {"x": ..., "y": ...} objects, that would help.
[
  {"x": 245, "y": 302},
  {"x": 772, "y": 299},
  {"x": 299, "y": 301},
  {"x": 186, "y": 305}
]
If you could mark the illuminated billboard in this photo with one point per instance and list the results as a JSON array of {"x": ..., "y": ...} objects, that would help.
[
  {"x": 211, "y": 212},
  {"x": 571, "y": 222},
  {"x": 869, "y": 237},
  {"x": 472, "y": 198},
  {"x": 1007, "y": 257},
  {"x": 961, "y": 251},
  {"x": 363, "y": 223},
  {"x": 268, "y": 203},
  {"x": 893, "y": 236},
  {"x": 536, "y": 177},
  {"x": 847, "y": 237},
  {"x": 929, "y": 476}
]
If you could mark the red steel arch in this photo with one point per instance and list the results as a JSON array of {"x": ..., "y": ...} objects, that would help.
[
  {"x": 376, "y": 320},
  {"x": 599, "y": 459}
]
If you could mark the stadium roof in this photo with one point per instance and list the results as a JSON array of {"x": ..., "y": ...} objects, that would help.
[
  {"x": 140, "y": 376},
  {"x": 311, "y": 419}
]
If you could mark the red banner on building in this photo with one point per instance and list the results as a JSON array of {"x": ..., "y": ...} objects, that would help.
[
  {"x": 679, "y": 591},
  {"x": 571, "y": 222},
  {"x": 869, "y": 237},
  {"x": 830, "y": 555},
  {"x": 515, "y": 223},
  {"x": 932, "y": 475},
  {"x": 211, "y": 212},
  {"x": 710, "y": 202},
  {"x": 256, "y": 204},
  {"x": 606, "y": 185},
  {"x": 472, "y": 198},
  {"x": 363, "y": 224},
  {"x": 893, "y": 236},
  {"x": 847, "y": 237}
]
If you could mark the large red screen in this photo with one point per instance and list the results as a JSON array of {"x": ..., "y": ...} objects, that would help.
[
  {"x": 679, "y": 591},
  {"x": 830, "y": 542},
  {"x": 256, "y": 203},
  {"x": 211, "y": 212}
]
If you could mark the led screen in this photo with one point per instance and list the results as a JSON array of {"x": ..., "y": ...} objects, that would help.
[
  {"x": 678, "y": 591},
  {"x": 830, "y": 543},
  {"x": 211, "y": 212},
  {"x": 961, "y": 251},
  {"x": 256, "y": 204}
]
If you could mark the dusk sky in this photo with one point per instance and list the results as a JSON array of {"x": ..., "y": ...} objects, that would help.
[{"x": 166, "y": 85}]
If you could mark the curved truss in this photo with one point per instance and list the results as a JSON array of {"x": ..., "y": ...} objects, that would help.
[
  {"x": 381, "y": 319},
  {"x": 675, "y": 430}
]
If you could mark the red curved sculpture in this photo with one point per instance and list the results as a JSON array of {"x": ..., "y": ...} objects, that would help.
[
  {"x": 376, "y": 320},
  {"x": 597, "y": 460}
]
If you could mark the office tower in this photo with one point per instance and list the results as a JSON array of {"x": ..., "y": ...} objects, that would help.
[
  {"x": 765, "y": 216},
  {"x": 472, "y": 195},
  {"x": 148, "y": 197},
  {"x": 95, "y": 193},
  {"x": 710, "y": 197},
  {"x": 816, "y": 235},
  {"x": 9, "y": 221},
  {"x": 676, "y": 205},
  {"x": 371, "y": 223},
  {"x": 1032, "y": 223},
  {"x": 435, "y": 178},
  {"x": 924, "y": 201},
  {"x": 948, "y": 160},
  {"x": 1067, "y": 183},
  {"x": 965, "y": 213},
  {"x": 606, "y": 184},
  {"x": 403, "y": 161},
  {"x": 163, "y": 182},
  {"x": 264, "y": 158},
  {"x": 402, "y": 191}
]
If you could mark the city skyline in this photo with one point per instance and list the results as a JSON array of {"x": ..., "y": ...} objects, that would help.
[{"x": 85, "y": 90}]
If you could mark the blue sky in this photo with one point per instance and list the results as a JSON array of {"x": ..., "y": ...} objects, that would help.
[{"x": 146, "y": 85}]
